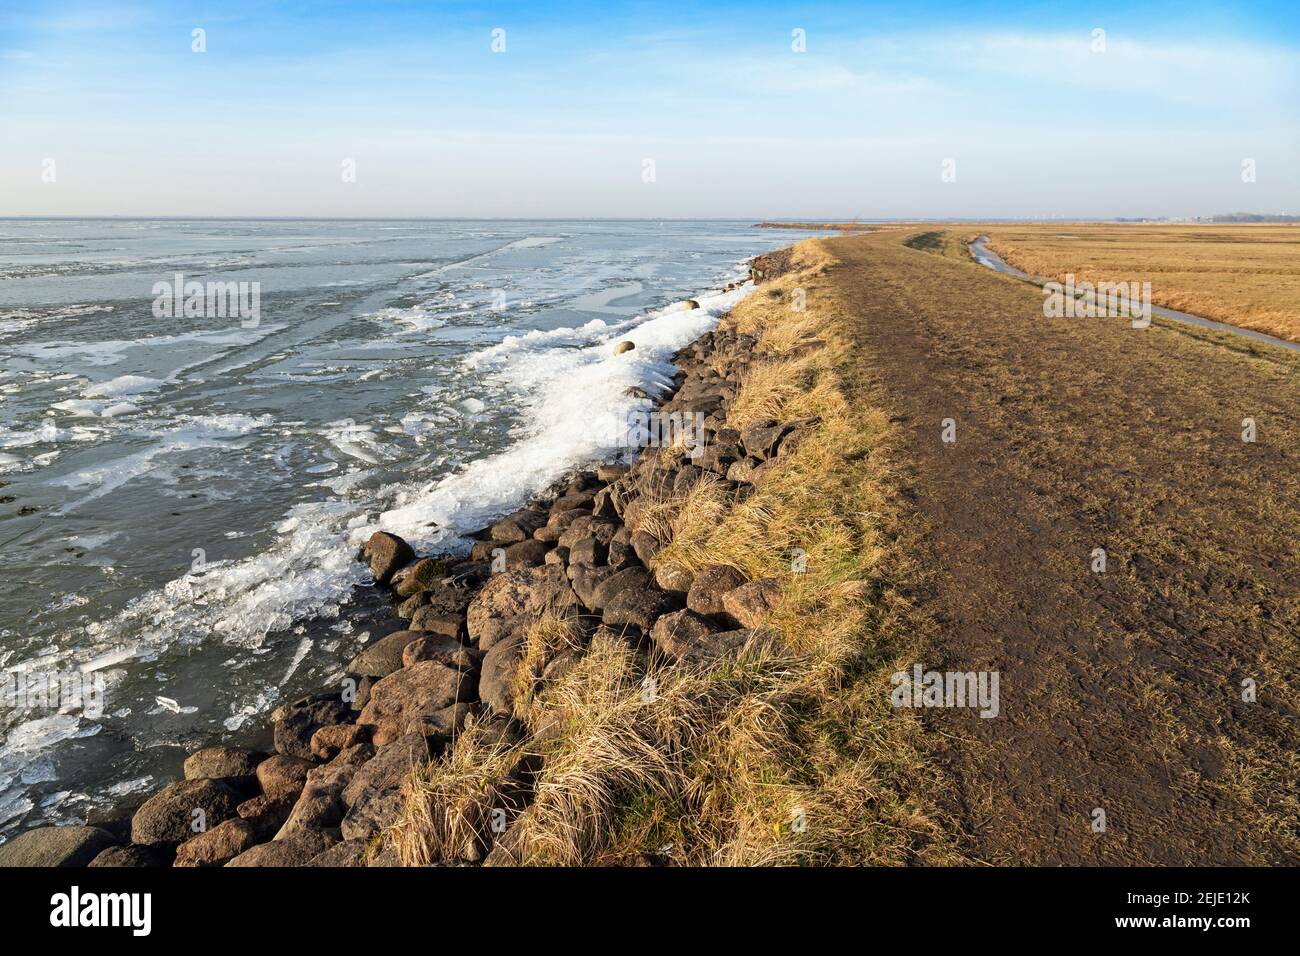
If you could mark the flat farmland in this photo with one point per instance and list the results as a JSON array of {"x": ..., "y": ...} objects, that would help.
[{"x": 1246, "y": 275}]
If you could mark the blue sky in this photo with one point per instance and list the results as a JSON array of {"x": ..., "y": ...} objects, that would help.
[{"x": 736, "y": 123}]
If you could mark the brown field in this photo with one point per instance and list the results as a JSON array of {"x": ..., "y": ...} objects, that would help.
[{"x": 1246, "y": 275}]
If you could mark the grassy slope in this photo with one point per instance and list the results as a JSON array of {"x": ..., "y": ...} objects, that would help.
[{"x": 794, "y": 758}]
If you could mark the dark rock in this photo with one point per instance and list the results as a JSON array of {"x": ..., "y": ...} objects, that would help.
[
  {"x": 526, "y": 554},
  {"x": 688, "y": 476},
  {"x": 347, "y": 853},
  {"x": 677, "y": 633},
  {"x": 373, "y": 812},
  {"x": 281, "y": 773},
  {"x": 55, "y": 846},
  {"x": 608, "y": 473},
  {"x": 674, "y": 578},
  {"x": 638, "y": 607},
  {"x": 383, "y": 656},
  {"x": 389, "y": 767},
  {"x": 646, "y": 546},
  {"x": 572, "y": 502},
  {"x": 170, "y": 815},
  {"x": 440, "y": 726},
  {"x": 621, "y": 554},
  {"x": 431, "y": 620},
  {"x": 268, "y": 812},
  {"x": 602, "y": 529},
  {"x": 586, "y": 579},
  {"x": 294, "y": 724},
  {"x": 437, "y": 647},
  {"x": 519, "y": 526},
  {"x": 406, "y": 610},
  {"x": 295, "y": 850},
  {"x": 751, "y": 603},
  {"x": 603, "y": 505},
  {"x": 709, "y": 586},
  {"x": 761, "y": 440},
  {"x": 496, "y": 684},
  {"x": 224, "y": 842},
  {"x": 635, "y": 578},
  {"x": 127, "y": 856},
  {"x": 589, "y": 551},
  {"x": 416, "y": 691},
  {"x": 328, "y": 742},
  {"x": 221, "y": 762},
  {"x": 386, "y": 553},
  {"x": 719, "y": 645},
  {"x": 418, "y": 576}
]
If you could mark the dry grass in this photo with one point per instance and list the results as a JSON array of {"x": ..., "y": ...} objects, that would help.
[
  {"x": 1244, "y": 275},
  {"x": 776, "y": 757},
  {"x": 448, "y": 810}
]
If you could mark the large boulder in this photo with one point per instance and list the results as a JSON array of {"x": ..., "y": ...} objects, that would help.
[
  {"x": 388, "y": 768},
  {"x": 526, "y": 554},
  {"x": 751, "y": 603},
  {"x": 128, "y": 856},
  {"x": 446, "y": 651},
  {"x": 418, "y": 576},
  {"x": 709, "y": 586},
  {"x": 55, "y": 846},
  {"x": 224, "y": 842},
  {"x": 646, "y": 546},
  {"x": 674, "y": 578},
  {"x": 629, "y": 578},
  {"x": 518, "y": 526},
  {"x": 639, "y": 607},
  {"x": 329, "y": 742},
  {"x": 513, "y": 594},
  {"x": 170, "y": 816},
  {"x": 347, "y": 853},
  {"x": 294, "y": 724},
  {"x": 320, "y": 804},
  {"x": 268, "y": 812},
  {"x": 374, "y": 811},
  {"x": 294, "y": 850},
  {"x": 383, "y": 656},
  {"x": 386, "y": 553},
  {"x": 589, "y": 551},
  {"x": 218, "y": 762},
  {"x": 420, "y": 690},
  {"x": 677, "y": 633},
  {"x": 436, "y": 621},
  {"x": 497, "y": 680},
  {"x": 281, "y": 773},
  {"x": 586, "y": 580}
]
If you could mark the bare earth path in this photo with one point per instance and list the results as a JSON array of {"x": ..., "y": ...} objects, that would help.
[{"x": 1123, "y": 690}]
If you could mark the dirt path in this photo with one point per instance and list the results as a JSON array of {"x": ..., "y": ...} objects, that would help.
[{"x": 1119, "y": 690}]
